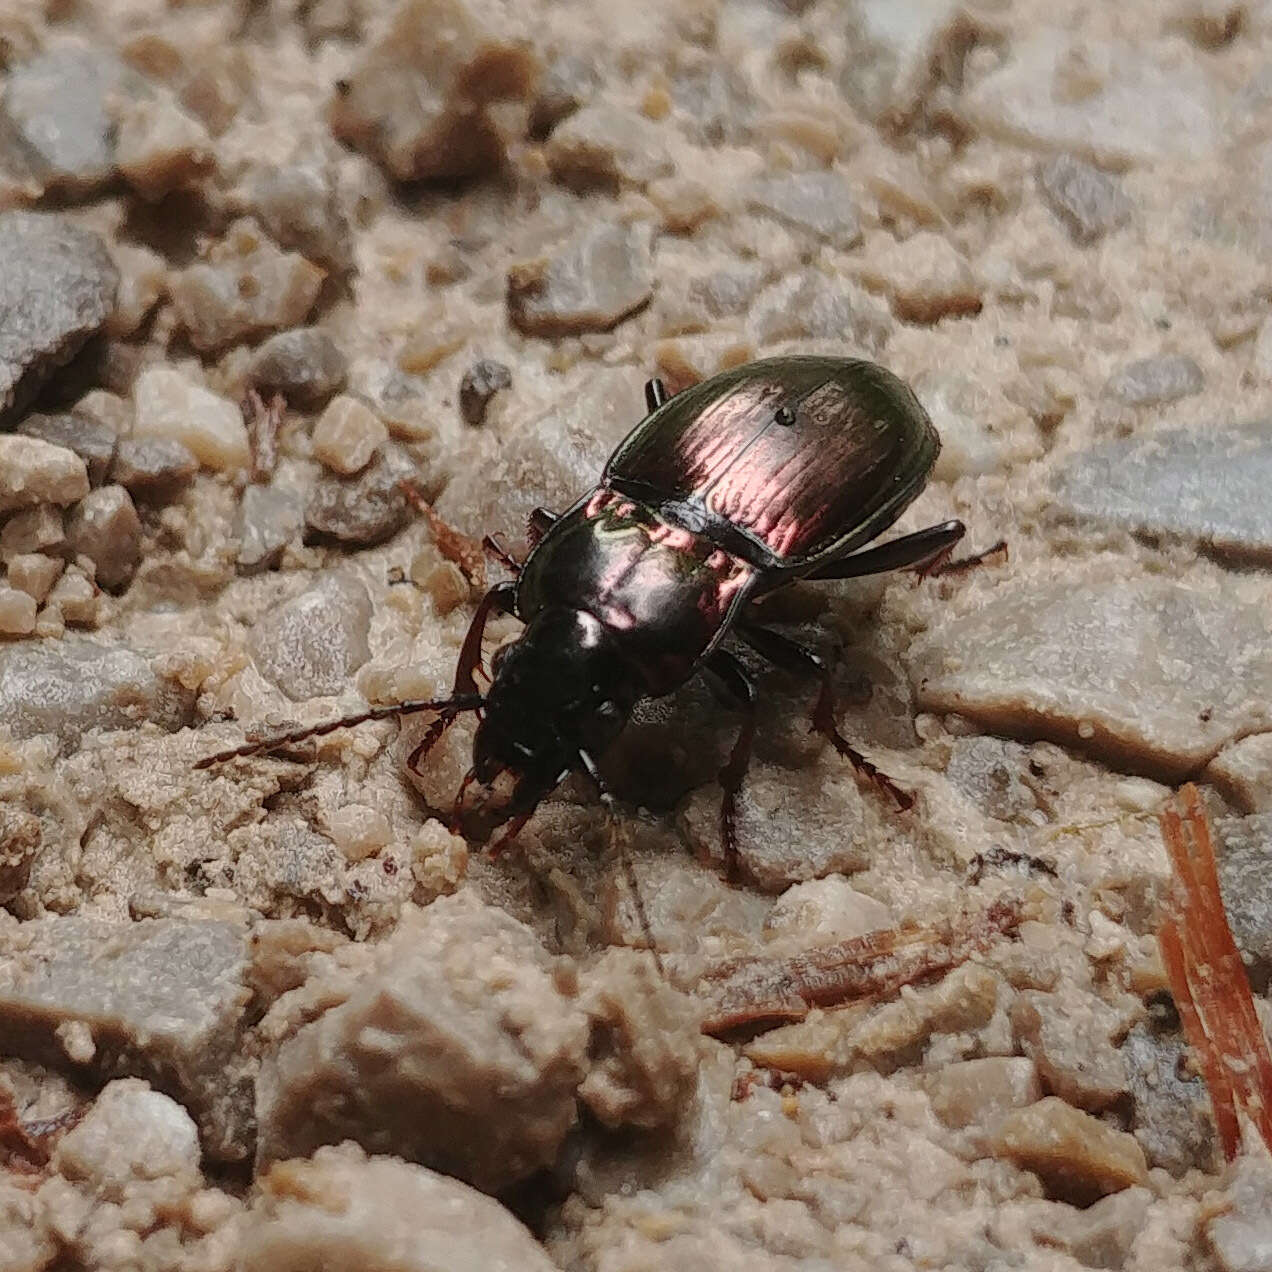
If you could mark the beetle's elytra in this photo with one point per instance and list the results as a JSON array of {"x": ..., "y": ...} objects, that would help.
[{"x": 768, "y": 473}]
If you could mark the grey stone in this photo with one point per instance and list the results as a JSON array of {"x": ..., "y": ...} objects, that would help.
[
  {"x": 1210, "y": 489},
  {"x": 1240, "y": 1233},
  {"x": 365, "y": 509},
  {"x": 1068, "y": 1035},
  {"x": 91, "y": 439},
  {"x": 57, "y": 288},
  {"x": 58, "y": 106},
  {"x": 990, "y": 772},
  {"x": 1055, "y": 659},
  {"x": 1087, "y": 202},
  {"x": 153, "y": 467},
  {"x": 268, "y": 520},
  {"x": 1245, "y": 881},
  {"x": 458, "y": 1051},
  {"x": 480, "y": 383},
  {"x": 76, "y": 685},
  {"x": 313, "y": 644},
  {"x": 816, "y": 203},
  {"x": 305, "y": 365},
  {"x": 162, "y": 999},
  {"x": 1170, "y": 1112},
  {"x": 596, "y": 279},
  {"x": 298, "y": 203},
  {"x": 104, "y": 526},
  {"x": 806, "y": 305},
  {"x": 1156, "y": 381},
  {"x": 1115, "y": 105}
]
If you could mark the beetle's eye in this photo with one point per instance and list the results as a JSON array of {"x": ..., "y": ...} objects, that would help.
[{"x": 784, "y": 416}]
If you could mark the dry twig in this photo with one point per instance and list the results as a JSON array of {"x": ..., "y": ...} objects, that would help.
[{"x": 1208, "y": 979}]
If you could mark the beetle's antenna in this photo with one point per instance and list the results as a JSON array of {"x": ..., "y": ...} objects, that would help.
[
  {"x": 619, "y": 841},
  {"x": 387, "y": 711}
]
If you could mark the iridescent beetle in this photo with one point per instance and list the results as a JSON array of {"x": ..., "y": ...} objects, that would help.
[{"x": 772, "y": 472}]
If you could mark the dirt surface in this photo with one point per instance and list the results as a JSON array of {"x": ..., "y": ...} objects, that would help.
[{"x": 300, "y": 299}]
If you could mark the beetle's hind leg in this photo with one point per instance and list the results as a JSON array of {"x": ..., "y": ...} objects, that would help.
[
  {"x": 787, "y": 654},
  {"x": 733, "y": 677},
  {"x": 927, "y": 548}
]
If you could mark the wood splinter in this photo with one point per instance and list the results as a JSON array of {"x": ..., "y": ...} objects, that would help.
[{"x": 1208, "y": 979}]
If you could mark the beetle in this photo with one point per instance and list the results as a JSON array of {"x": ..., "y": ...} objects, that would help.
[{"x": 779, "y": 470}]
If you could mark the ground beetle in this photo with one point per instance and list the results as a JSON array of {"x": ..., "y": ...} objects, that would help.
[{"x": 765, "y": 474}]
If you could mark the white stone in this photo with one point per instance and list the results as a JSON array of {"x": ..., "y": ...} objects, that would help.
[
  {"x": 171, "y": 406},
  {"x": 347, "y": 435},
  {"x": 17, "y": 612},
  {"x": 33, "y": 471}
]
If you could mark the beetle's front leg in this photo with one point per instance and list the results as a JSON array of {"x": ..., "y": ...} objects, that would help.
[
  {"x": 786, "y": 653},
  {"x": 499, "y": 600},
  {"x": 737, "y": 683}
]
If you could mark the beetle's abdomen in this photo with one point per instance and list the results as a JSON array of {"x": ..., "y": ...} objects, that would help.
[
  {"x": 798, "y": 454},
  {"x": 662, "y": 593}
]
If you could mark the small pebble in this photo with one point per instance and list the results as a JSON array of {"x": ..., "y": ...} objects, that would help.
[
  {"x": 173, "y": 408},
  {"x": 1077, "y": 1157},
  {"x": 153, "y": 467},
  {"x": 347, "y": 435},
  {"x": 104, "y": 526},
  {"x": 245, "y": 288},
  {"x": 91, "y": 439},
  {"x": 595, "y": 280},
  {"x": 17, "y": 612},
  {"x": 606, "y": 146},
  {"x": 479, "y": 385},
  {"x": 413, "y": 100},
  {"x": 685, "y": 203},
  {"x": 304, "y": 365},
  {"x": 364, "y": 509},
  {"x": 1087, "y": 202},
  {"x": 925, "y": 277},
  {"x": 74, "y": 597},
  {"x": 313, "y": 644},
  {"x": 816, "y": 203},
  {"x": 159, "y": 148},
  {"x": 143, "y": 279},
  {"x": 35, "y": 530},
  {"x": 268, "y": 520},
  {"x": 359, "y": 831},
  {"x": 1156, "y": 381},
  {"x": 33, "y": 471},
  {"x": 34, "y": 573}
]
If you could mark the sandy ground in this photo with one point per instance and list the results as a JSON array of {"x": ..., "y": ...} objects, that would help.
[{"x": 259, "y": 264}]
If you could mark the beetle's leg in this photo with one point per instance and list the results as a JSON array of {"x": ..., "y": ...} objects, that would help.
[
  {"x": 493, "y": 548},
  {"x": 941, "y": 565},
  {"x": 655, "y": 394},
  {"x": 499, "y": 600},
  {"x": 541, "y": 521},
  {"x": 919, "y": 548},
  {"x": 786, "y": 653},
  {"x": 737, "y": 683}
]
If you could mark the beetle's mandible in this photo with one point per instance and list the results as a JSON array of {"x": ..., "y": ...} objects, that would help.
[{"x": 780, "y": 470}]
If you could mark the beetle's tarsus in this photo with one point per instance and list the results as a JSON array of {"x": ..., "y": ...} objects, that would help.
[
  {"x": 824, "y": 723},
  {"x": 941, "y": 565},
  {"x": 655, "y": 393}
]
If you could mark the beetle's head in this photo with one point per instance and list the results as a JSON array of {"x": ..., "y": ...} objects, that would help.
[{"x": 561, "y": 688}]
